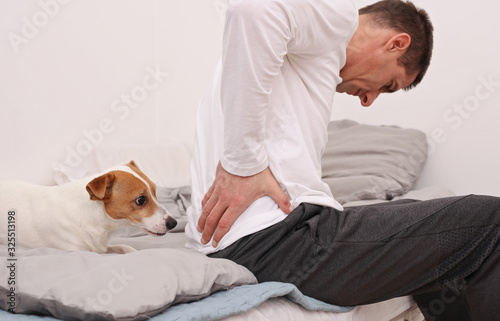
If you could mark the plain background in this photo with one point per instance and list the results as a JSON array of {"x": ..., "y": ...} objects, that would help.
[{"x": 67, "y": 68}]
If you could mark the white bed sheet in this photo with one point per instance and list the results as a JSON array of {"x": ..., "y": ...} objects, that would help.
[{"x": 283, "y": 309}]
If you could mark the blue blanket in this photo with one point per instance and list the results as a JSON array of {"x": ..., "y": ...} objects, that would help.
[{"x": 221, "y": 304}]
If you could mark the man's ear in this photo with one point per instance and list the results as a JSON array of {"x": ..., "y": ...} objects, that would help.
[
  {"x": 101, "y": 188},
  {"x": 399, "y": 42}
]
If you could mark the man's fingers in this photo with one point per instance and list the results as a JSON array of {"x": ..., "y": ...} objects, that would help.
[
  {"x": 225, "y": 223},
  {"x": 279, "y": 196},
  {"x": 282, "y": 200},
  {"x": 209, "y": 210},
  {"x": 202, "y": 219},
  {"x": 210, "y": 222},
  {"x": 208, "y": 195},
  {"x": 207, "y": 204}
]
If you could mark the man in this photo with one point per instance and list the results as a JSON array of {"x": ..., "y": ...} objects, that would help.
[{"x": 258, "y": 198}]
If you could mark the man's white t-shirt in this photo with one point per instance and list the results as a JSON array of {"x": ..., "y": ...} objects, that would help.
[{"x": 269, "y": 105}]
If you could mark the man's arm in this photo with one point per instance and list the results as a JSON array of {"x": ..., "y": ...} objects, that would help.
[
  {"x": 256, "y": 37},
  {"x": 255, "y": 42}
]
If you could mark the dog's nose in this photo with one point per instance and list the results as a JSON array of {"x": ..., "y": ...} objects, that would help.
[{"x": 171, "y": 222}]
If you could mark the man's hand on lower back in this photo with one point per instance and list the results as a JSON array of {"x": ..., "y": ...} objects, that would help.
[{"x": 230, "y": 195}]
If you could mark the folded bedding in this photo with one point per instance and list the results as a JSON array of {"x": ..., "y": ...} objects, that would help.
[
  {"x": 242, "y": 299},
  {"x": 219, "y": 305}
]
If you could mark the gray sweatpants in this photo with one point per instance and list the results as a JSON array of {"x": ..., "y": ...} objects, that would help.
[{"x": 445, "y": 252}]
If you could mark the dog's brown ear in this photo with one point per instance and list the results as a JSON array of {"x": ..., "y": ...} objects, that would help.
[
  {"x": 100, "y": 188},
  {"x": 134, "y": 164}
]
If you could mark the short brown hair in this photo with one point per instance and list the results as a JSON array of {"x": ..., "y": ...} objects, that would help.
[{"x": 404, "y": 16}]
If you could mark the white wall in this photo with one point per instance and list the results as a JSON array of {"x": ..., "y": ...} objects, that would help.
[
  {"x": 67, "y": 68},
  {"x": 459, "y": 113},
  {"x": 70, "y": 76}
]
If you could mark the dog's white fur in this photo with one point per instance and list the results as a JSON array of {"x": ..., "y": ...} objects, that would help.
[{"x": 65, "y": 217}]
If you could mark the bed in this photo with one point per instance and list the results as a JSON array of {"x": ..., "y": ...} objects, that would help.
[{"x": 363, "y": 164}]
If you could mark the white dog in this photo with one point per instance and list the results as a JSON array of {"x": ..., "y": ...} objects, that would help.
[{"x": 65, "y": 217}]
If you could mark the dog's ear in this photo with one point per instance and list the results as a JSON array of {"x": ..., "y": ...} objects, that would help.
[
  {"x": 133, "y": 164},
  {"x": 100, "y": 188}
]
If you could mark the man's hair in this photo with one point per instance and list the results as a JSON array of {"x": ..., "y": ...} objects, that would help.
[{"x": 404, "y": 16}]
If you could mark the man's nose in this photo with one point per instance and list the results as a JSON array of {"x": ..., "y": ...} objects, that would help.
[{"x": 368, "y": 98}]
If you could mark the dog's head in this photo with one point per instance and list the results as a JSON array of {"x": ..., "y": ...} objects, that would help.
[{"x": 129, "y": 194}]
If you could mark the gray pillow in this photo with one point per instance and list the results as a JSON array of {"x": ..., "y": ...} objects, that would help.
[
  {"x": 363, "y": 162},
  {"x": 133, "y": 286}
]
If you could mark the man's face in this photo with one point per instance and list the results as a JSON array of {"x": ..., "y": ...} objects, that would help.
[
  {"x": 372, "y": 65},
  {"x": 373, "y": 76}
]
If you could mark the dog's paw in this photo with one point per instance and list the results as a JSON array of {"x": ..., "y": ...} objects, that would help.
[{"x": 120, "y": 249}]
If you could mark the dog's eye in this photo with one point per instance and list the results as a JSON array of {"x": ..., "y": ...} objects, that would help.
[{"x": 141, "y": 200}]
